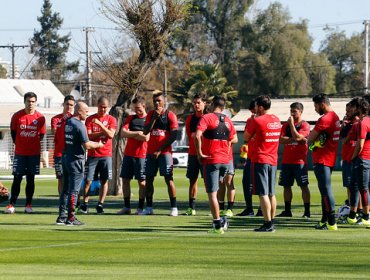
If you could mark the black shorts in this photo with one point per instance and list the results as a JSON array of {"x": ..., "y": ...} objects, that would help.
[
  {"x": 133, "y": 166},
  {"x": 164, "y": 163},
  {"x": 289, "y": 172},
  {"x": 26, "y": 165},
  {"x": 264, "y": 178},
  {"x": 193, "y": 168}
]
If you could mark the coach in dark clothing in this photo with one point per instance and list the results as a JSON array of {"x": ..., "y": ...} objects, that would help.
[{"x": 76, "y": 142}]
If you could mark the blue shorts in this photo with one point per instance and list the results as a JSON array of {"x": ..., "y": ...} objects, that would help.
[
  {"x": 231, "y": 170},
  {"x": 58, "y": 167},
  {"x": 346, "y": 173},
  {"x": 212, "y": 174},
  {"x": 194, "y": 168},
  {"x": 26, "y": 165},
  {"x": 264, "y": 178},
  {"x": 289, "y": 172},
  {"x": 96, "y": 166},
  {"x": 164, "y": 162},
  {"x": 133, "y": 166}
]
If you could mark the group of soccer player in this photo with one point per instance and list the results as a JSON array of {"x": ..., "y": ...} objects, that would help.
[{"x": 211, "y": 135}]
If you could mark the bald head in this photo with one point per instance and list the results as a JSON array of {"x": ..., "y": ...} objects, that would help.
[{"x": 81, "y": 110}]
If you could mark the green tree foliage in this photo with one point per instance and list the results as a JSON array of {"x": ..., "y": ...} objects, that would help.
[
  {"x": 50, "y": 48},
  {"x": 3, "y": 72},
  {"x": 205, "y": 79},
  {"x": 346, "y": 54},
  {"x": 276, "y": 57}
]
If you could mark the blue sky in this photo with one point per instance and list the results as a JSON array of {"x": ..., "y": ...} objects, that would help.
[{"x": 19, "y": 18}]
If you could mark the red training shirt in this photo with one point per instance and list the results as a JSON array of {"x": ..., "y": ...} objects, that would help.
[
  {"x": 364, "y": 134},
  {"x": 296, "y": 152},
  {"x": 134, "y": 148},
  {"x": 251, "y": 141},
  {"x": 349, "y": 147},
  {"x": 28, "y": 129},
  {"x": 58, "y": 123}
]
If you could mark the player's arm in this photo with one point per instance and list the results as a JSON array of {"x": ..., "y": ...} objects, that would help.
[
  {"x": 247, "y": 137},
  {"x": 105, "y": 131},
  {"x": 358, "y": 148},
  {"x": 93, "y": 145},
  {"x": 170, "y": 140},
  {"x": 138, "y": 135},
  {"x": 235, "y": 139},
  {"x": 13, "y": 133},
  {"x": 149, "y": 126},
  {"x": 312, "y": 136},
  {"x": 198, "y": 144}
]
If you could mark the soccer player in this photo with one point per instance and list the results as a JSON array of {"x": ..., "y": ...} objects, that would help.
[
  {"x": 247, "y": 175},
  {"x": 27, "y": 128},
  {"x": 57, "y": 127},
  {"x": 361, "y": 169},
  {"x": 194, "y": 166},
  {"x": 100, "y": 127},
  {"x": 326, "y": 133},
  {"x": 294, "y": 163},
  {"x": 348, "y": 135},
  {"x": 73, "y": 159},
  {"x": 266, "y": 130},
  {"x": 133, "y": 163},
  {"x": 213, "y": 138},
  {"x": 162, "y": 125}
]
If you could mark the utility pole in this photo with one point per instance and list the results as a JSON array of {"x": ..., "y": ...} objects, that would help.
[
  {"x": 88, "y": 65},
  {"x": 366, "y": 72},
  {"x": 13, "y": 48}
]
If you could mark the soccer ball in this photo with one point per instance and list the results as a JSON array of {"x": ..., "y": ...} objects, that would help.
[{"x": 343, "y": 211}]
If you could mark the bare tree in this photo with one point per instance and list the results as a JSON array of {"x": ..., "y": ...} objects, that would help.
[{"x": 149, "y": 24}]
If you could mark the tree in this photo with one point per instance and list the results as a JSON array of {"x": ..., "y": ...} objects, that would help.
[
  {"x": 3, "y": 72},
  {"x": 149, "y": 24},
  {"x": 203, "y": 79},
  {"x": 346, "y": 54},
  {"x": 50, "y": 48}
]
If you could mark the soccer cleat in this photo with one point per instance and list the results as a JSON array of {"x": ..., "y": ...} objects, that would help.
[
  {"x": 28, "y": 209},
  {"x": 174, "y": 212},
  {"x": 351, "y": 221},
  {"x": 99, "y": 209},
  {"x": 364, "y": 222},
  {"x": 224, "y": 223},
  {"x": 265, "y": 228},
  {"x": 216, "y": 231},
  {"x": 124, "y": 211},
  {"x": 61, "y": 221},
  {"x": 246, "y": 213},
  {"x": 83, "y": 208},
  {"x": 259, "y": 213},
  {"x": 74, "y": 222},
  {"x": 306, "y": 215},
  {"x": 332, "y": 227},
  {"x": 147, "y": 211},
  {"x": 229, "y": 213},
  {"x": 320, "y": 225},
  {"x": 190, "y": 212},
  {"x": 285, "y": 213},
  {"x": 9, "y": 209},
  {"x": 139, "y": 211}
]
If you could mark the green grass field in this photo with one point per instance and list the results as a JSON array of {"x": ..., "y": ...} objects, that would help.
[{"x": 163, "y": 247}]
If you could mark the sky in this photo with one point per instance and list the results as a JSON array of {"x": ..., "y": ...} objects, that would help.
[{"x": 18, "y": 21}]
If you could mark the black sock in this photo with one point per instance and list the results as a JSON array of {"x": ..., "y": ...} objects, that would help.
[
  {"x": 149, "y": 201},
  {"x": 268, "y": 224},
  {"x": 331, "y": 218},
  {"x": 173, "y": 202},
  {"x": 141, "y": 203},
  {"x": 221, "y": 205},
  {"x": 272, "y": 221},
  {"x": 230, "y": 205},
  {"x": 127, "y": 202},
  {"x": 352, "y": 214},
  {"x": 192, "y": 203},
  {"x": 359, "y": 211},
  {"x": 287, "y": 205},
  {"x": 307, "y": 208},
  {"x": 217, "y": 223}
]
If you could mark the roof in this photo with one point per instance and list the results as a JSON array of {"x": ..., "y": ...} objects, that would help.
[
  {"x": 281, "y": 108},
  {"x": 12, "y": 91}
]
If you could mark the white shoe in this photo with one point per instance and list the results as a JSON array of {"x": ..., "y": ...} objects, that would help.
[
  {"x": 174, "y": 212},
  {"x": 147, "y": 211},
  {"x": 9, "y": 209},
  {"x": 28, "y": 209}
]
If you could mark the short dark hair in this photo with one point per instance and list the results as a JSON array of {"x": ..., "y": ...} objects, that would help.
[
  {"x": 355, "y": 102},
  {"x": 68, "y": 97},
  {"x": 102, "y": 99},
  {"x": 139, "y": 99},
  {"x": 252, "y": 104},
  {"x": 364, "y": 106},
  {"x": 219, "y": 102},
  {"x": 203, "y": 97},
  {"x": 321, "y": 98},
  {"x": 157, "y": 93},
  {"x": 297, "y": 105},
  {"x": 367, "y": 97},
  {"x": 29, "y": 94},
  {"x": 264, "y": 101}
]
